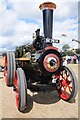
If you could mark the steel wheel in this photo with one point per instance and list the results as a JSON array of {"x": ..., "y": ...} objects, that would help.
[
  {"x": 21, "y": 89},
  {"x": 67, "y": 84},
  {"x": 9, "y": 71},
  {"x": 6, "y": 67}
]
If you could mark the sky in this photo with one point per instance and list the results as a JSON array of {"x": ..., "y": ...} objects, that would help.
[{"x": 20, "y": 18}]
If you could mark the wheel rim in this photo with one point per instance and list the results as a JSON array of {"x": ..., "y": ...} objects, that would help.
[
  {"x": 6, "y": 70},
  {"x": 65, "y": 86},
  {"x": 17, "y": 89},
  {"x": 47, "y": 60}
]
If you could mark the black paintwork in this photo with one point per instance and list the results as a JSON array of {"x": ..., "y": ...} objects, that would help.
[{"x": 47, "y": 23}]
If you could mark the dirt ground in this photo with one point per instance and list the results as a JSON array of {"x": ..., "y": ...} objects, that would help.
[{"x": 40, "y": 105}]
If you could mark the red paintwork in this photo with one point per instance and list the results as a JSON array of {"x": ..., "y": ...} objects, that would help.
[
  {"x": 51, "y": 47},
  {"x": 45, "y": 62},
  {"x": 65, "y": 89},
  {"x": 17, "y": 93},
  {"x": 6, "y": 71},
  {"x": 6, "y": 76}
]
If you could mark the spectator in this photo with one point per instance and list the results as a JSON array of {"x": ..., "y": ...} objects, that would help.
[{"x": 74, "y": 59}]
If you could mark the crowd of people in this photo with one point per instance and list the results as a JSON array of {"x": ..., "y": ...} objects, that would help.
[{"x": 71, "y": 59}]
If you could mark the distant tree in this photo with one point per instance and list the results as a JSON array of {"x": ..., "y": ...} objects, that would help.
[
  {"x": 78, "y": 51},
  {"x": 65, "y": 47}
]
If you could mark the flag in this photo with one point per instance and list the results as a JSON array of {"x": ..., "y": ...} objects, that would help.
[{"x": 64, "y": 35}]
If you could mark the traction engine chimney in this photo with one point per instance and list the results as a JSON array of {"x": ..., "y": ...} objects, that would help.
[{"x": 47, "y": 8}]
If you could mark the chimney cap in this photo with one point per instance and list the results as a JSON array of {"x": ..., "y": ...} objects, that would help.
[{"x": 47, "y": 5}]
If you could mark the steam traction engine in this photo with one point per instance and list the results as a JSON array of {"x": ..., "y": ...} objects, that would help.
[{"x": 39, "y": 66}]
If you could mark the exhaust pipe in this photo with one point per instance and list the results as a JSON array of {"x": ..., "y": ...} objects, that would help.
[{"x": 47, "y": 9}]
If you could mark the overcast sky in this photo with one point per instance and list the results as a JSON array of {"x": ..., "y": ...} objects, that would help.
[{"x": 20, "y": 18}]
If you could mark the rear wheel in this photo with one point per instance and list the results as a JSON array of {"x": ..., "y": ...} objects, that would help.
[
  {"x": 67, "y": 84},
  {"x": 9, "y": 71},
  {"x": 21, "y": 89}
]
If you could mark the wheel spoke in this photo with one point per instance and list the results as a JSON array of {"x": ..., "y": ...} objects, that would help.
[
  {"x": 70, "y": 89},
  {"x": 69, "y": 82},
  {"x": 67, "y": 76},
  {"x": 66, "y": 84},
  {"x": 62, "y": 75},
  {"x": 65, "y": 89},
  {"x": 66, "y": 72},
  {"x": 65, "y": 95}
]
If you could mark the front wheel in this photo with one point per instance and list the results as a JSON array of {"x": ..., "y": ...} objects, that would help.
[
  {"x": 21, "y": 90},
  {"x": 10, "y": 68},
  {"x": 66, "y": 84}
]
